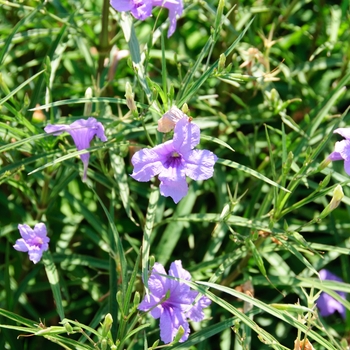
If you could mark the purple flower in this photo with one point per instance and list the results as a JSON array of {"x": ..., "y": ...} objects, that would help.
[
  {"x": 175, "y": 8},
  {"x": 140, "y": 9},
  {"x": 174, "y": 160},
  {"x": 327, "y": 304},
  {"x": 82, "y": 132},
  {"x": 342, "y": 148},
  {"x": 35, "y": 242},
  {"x": 172, "y": 301}
]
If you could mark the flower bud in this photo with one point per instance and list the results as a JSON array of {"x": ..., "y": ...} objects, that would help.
[
  {"x": 68, "y": 328},
  {"x": 104, "y": 344},
  {"x": 137, "y": 299},
  {"x": 130, "y": 102},
  {"x": 338, "y": 195},
  {"x": 222, "y": 61},
  {"x": 178, "y": 335},
  {"x": 107, "y": 325}
]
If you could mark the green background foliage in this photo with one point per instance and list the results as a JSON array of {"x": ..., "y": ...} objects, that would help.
[{"x": 266, "y": 79}]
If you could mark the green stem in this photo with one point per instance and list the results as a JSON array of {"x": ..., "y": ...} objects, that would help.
[{"x": 104, "y": 42}]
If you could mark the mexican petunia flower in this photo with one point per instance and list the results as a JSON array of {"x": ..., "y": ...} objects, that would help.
[
  {"x": 342, "y": 148},
  {"x": 34, "y": 241},
  {"x": 175, "y": 8},
  {"x": 142, "y": 9},
  {"x": 172, "y": 301},
  {"x": 175, "y": 159},
  {"x": 327, "y": 304},
  {"x": 82, "y": 132}
]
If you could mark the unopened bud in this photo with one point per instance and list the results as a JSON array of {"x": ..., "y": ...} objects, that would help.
[
  {"x": 107, "y": 325},
  {"x": 179, "y": 334},
  {"x": 222, "y": 61},
  {"x": 88, "y": 105},
  {"x": 68, "y": 328},
  {"x": 137, "y": 299},
  {"x": 130, "y": 102},
  {"x": 169, "y": 119},
  {"x": 185, "y": 108},
  {"x": 338, "y": 195},
  {"x": 104, "y": 344}
]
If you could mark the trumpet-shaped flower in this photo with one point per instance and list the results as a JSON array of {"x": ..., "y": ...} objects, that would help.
[
  {"x": 172, "y": 301},
  {"x": 327, "y": 304},
  {"x": 342, "y": 148},
  {"x": 142, "y": 9},
  {"x": 35, "y": 242},
  {"x": 82, "y": 132},
  {"x": 175, "y": 159},
  {"x": 175, "y": 8}
]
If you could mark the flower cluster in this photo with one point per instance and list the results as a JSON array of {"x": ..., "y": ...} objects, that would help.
[
  {"x": 175, "y": 159},
  {"x": 327, "y": 304},
  {"x": 82, "y": 132},
  {"x": 35, "y": 242},
  {"x": 173, "y": 301},
  {"x": 142, "y": 9}
]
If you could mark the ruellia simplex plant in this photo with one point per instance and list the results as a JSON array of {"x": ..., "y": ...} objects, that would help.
[{"x": 177, "y": 173}]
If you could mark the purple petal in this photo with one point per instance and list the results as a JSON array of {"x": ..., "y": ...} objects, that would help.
[
  {"x": 347, "y": 166},
  {"x": 345, "y": 132},
  {"x": 200, "y": 164},
  {"x": 122, "y": 5},
  {"x": 21, "y": 245},
  {"x": 40, "y": 230},
  {"x": 196, "y": 313},
  {"x": 186, "y": 136},
  {"x": 83, "y": 131},
  {"x": 175, "y": 8},
  {"x": 335, "y": 156},
  {"x": 328, "y": 305},
  {"x": 174, "y": 189},
  {"x": 343, "y": 148},
  {"x": 144, "y": 11},
  {"x": 56, "y": 129},
  {"x": 158, "y": 285},
  {"x": 35, "y": 254},
  {"x": 170, "y": 321},
  {"x": 176, "y": 270},
  {"x": 25, "y": 231},
  {"x": 147, "y": 163},
  {"x": 152, "y": 303}
]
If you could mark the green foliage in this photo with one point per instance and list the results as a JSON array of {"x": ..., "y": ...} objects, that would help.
[{"x": 266, "y": 83}]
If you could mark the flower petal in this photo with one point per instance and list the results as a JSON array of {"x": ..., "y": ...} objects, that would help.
[
  {"x": 142, "y": 12},
  {"x": 35, "y": 254},
  {"x": 158, "y": 285},
  {"x": 56, "y": 129},
  {"x": 200, "y": 164},
  {"x": 25, "y": 231},
  {"x": 147, "y": 163},
  {"x": 186, "y": 136},
  {"x": 335, "y": 156},
  {"x": 345, "y": 132},
  {"x": 21, "y": 245},
  {"x": 122, "y": 5},
  {"x": 196, "y": 313},
  {"x": 174, "y": 185},
  {"x": 170, "y": 321},
  {"x": 40, "y": 230},
  {"x": 175, "y": 8}
]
